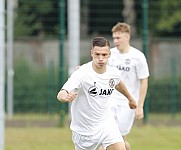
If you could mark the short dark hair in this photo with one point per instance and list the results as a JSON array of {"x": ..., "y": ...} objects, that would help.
[{"x": 100, "y": 41}]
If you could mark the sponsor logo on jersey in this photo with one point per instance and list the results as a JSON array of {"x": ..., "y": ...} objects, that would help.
[
  {"x": 123, "y": 68},
  {"x": 94, "y": 91},
  {"x": 106, "y": 91}
]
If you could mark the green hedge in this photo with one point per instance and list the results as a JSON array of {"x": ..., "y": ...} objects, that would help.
[
  {"x": 35, "y": 90},
  {"x": 164, "y": 95}
]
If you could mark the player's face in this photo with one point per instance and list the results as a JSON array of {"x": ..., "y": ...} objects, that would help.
[
  {"x": 100, "y": 56},
  {"x": 120, "y": 39}
]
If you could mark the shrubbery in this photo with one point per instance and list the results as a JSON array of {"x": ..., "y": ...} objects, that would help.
[
  {"x": 35, "y": 90},
  {"x": 164, "y": 96}
]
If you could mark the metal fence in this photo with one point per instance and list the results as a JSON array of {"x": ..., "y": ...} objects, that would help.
[{"x": 36, "y": 44}]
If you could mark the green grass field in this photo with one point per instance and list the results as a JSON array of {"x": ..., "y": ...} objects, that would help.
[{"x": 142, "y": 137}]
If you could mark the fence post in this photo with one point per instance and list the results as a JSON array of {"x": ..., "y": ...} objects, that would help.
[
  {"x": 51, "y": 97},
  {"x": 2, "y": 74},
  {"x": 61, "y": 57},
  {"x": 10, "y": 70},
  {"x": 173, "y": 89},
  {"x": 145, "y": 48}
]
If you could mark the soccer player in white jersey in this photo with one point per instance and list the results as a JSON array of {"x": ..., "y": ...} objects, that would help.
[
  {"x": 134, "y": 70},
  {"x": 92, "y": 124}
]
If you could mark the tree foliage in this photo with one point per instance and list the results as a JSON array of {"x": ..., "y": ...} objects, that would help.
[
  {"x": 41, "y": 18},
  {"x": 165, "y": 17},
  {"x": 170, "y": 15},
  {"x": 34, "y": 18}
]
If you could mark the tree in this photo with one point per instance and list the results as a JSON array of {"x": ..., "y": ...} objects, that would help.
[
  {"x": 129, "y": 15},
  {"x": 166, "y": 17},
  {"x": 36, "y": 18},
  {"x": 170, "y": 18}
]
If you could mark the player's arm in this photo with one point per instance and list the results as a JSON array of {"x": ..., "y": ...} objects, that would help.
[
  {"x": 64, "y": 96},
  {"x": 142, "y": 95},
  {"x": 122, "y": 89}
]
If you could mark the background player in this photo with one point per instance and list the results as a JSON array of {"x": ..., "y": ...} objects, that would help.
[{"x": 134, "y": 69}]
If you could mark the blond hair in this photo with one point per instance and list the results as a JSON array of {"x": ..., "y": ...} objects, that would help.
[{"x": 121, "y": 27}]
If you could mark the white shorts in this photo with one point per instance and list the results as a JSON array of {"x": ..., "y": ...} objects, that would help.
[
  {"x": 108, "y": 135},
  {"x": 124, "y": 117}
]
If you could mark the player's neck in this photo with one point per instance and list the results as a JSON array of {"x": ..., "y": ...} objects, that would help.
[
  {"x": 125, "y": 49},
  {"x": 99, "y": 70}
]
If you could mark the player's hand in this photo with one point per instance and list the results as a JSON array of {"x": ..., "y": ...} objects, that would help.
[
  {"x": 139, "y": 113},
  {"x": 70, "y": 97},
  {"x": 63, "y": 96},
  {"x": 132, "y": 104}
]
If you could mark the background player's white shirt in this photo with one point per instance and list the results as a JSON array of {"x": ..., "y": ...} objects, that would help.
[
  {"x": 89, "y": 111},
  {"x": 133, "y": 67}
]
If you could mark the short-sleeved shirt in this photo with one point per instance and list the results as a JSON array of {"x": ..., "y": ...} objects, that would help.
[
  {"x": 90, "y": 110},
  {"x": 133, "y": 67}
]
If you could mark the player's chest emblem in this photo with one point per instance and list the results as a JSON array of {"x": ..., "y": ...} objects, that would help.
[
  {"x": 111, "y": 83},
  {"x": 127, "y": 61}
]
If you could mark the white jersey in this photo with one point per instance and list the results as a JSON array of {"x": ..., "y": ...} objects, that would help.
[
  {"x": 133, "y": 67},
  {"x": 90, "y": 109}
]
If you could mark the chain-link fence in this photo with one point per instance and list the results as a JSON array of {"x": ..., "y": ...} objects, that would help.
[{"x": 36, "y": 47}]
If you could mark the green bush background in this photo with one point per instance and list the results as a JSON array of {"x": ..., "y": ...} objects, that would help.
[{"x": 35, "y": 90}]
